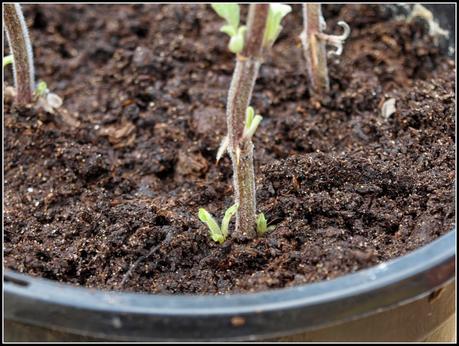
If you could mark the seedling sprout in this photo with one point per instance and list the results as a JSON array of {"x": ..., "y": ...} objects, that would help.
[
  {"x": 217, "y": 233},
  {"x": 250, "y": 45},
  {"x": 262, "y": 225}
]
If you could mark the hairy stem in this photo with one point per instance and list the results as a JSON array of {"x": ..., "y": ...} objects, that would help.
[
  {"x": 244, "y": 184},
  {"x": 241, "y": 148},
  {"x": 314, "y": 50},
  {"x": 19, "y": 42}
]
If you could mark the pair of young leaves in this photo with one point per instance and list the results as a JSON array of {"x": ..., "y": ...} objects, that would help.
[
  {"x": 251, "y": 124},
  {"x": 230, "y": 12},
  {"x": 219, "y": 234}
]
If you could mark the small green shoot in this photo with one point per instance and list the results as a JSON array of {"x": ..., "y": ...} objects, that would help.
[
  {"x": 230, "y": 12},
  {"x": 227, "y": 218},
  {"x": 45, "y": 99},
  {"x": 251, "y": 122},
  {"x": 273, "y": 27},
  {"x": 41, "y": 88},
  {"x": 262, "y": 225},
  {"x": 7, "y": 60},
  {"x": 249, "y": 114},
  {"x": 236, "y": 43},
  {"x": 217, "y": 233},
  {"x": 208, "y": 219}
]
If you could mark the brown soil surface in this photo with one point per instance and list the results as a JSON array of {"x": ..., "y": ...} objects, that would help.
[{"x": 120, "y": 171}]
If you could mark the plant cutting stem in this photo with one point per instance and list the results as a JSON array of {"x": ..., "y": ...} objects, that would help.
[
  {"x": 240, "y": 147},
  {"x": 315, "y": 50},
  {"x": 19, "y": 42}
]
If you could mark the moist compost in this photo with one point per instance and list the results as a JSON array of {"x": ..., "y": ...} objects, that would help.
[{"x": 117, "y": 175}]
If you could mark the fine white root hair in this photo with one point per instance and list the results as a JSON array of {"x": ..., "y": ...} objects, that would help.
[
  {"x": 337, "y": 41},
  {"x": 422, "y": 12}
]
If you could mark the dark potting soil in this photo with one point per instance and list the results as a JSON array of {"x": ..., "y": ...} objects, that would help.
[{"x": 120, "y": 171}]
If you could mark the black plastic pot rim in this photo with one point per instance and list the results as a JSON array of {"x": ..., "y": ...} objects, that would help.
[{"x": 304, "y": 307}]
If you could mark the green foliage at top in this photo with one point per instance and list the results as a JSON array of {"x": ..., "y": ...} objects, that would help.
[
  {"x": 217, "y": 233},
  {"x": 273, "y": 28},
  {"x": 7, "y": 60},
  {"x": 230, "y": 13}
]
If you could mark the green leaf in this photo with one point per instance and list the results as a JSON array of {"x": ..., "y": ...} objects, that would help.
[
  {"x": 215, "y": 232},
  {"x": 227, "y": 218},
  {"x": 273, "y": 28},
  {"x": 229, "y": 12},
  {"x": 7, "y": 60},
  {"x": 237, "y": 41},
  {"x": 236, "y": 44},
  {"x": 262, "y": 225},
  {"x": 229, "y": 30},
  {"x": 253, "y": 127},
  {"x": 249, "y": 114},
  {"x": 251, "y": 122},
  {"x": 219, "y": 238}
]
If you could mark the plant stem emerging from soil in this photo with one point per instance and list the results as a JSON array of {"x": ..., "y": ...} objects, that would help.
[
  {"x": 240, "y": 147},
  {"x": 315, "y": 51},
  {"x": 315, "y": 48},
  {"x": 19, "y": 42}
]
